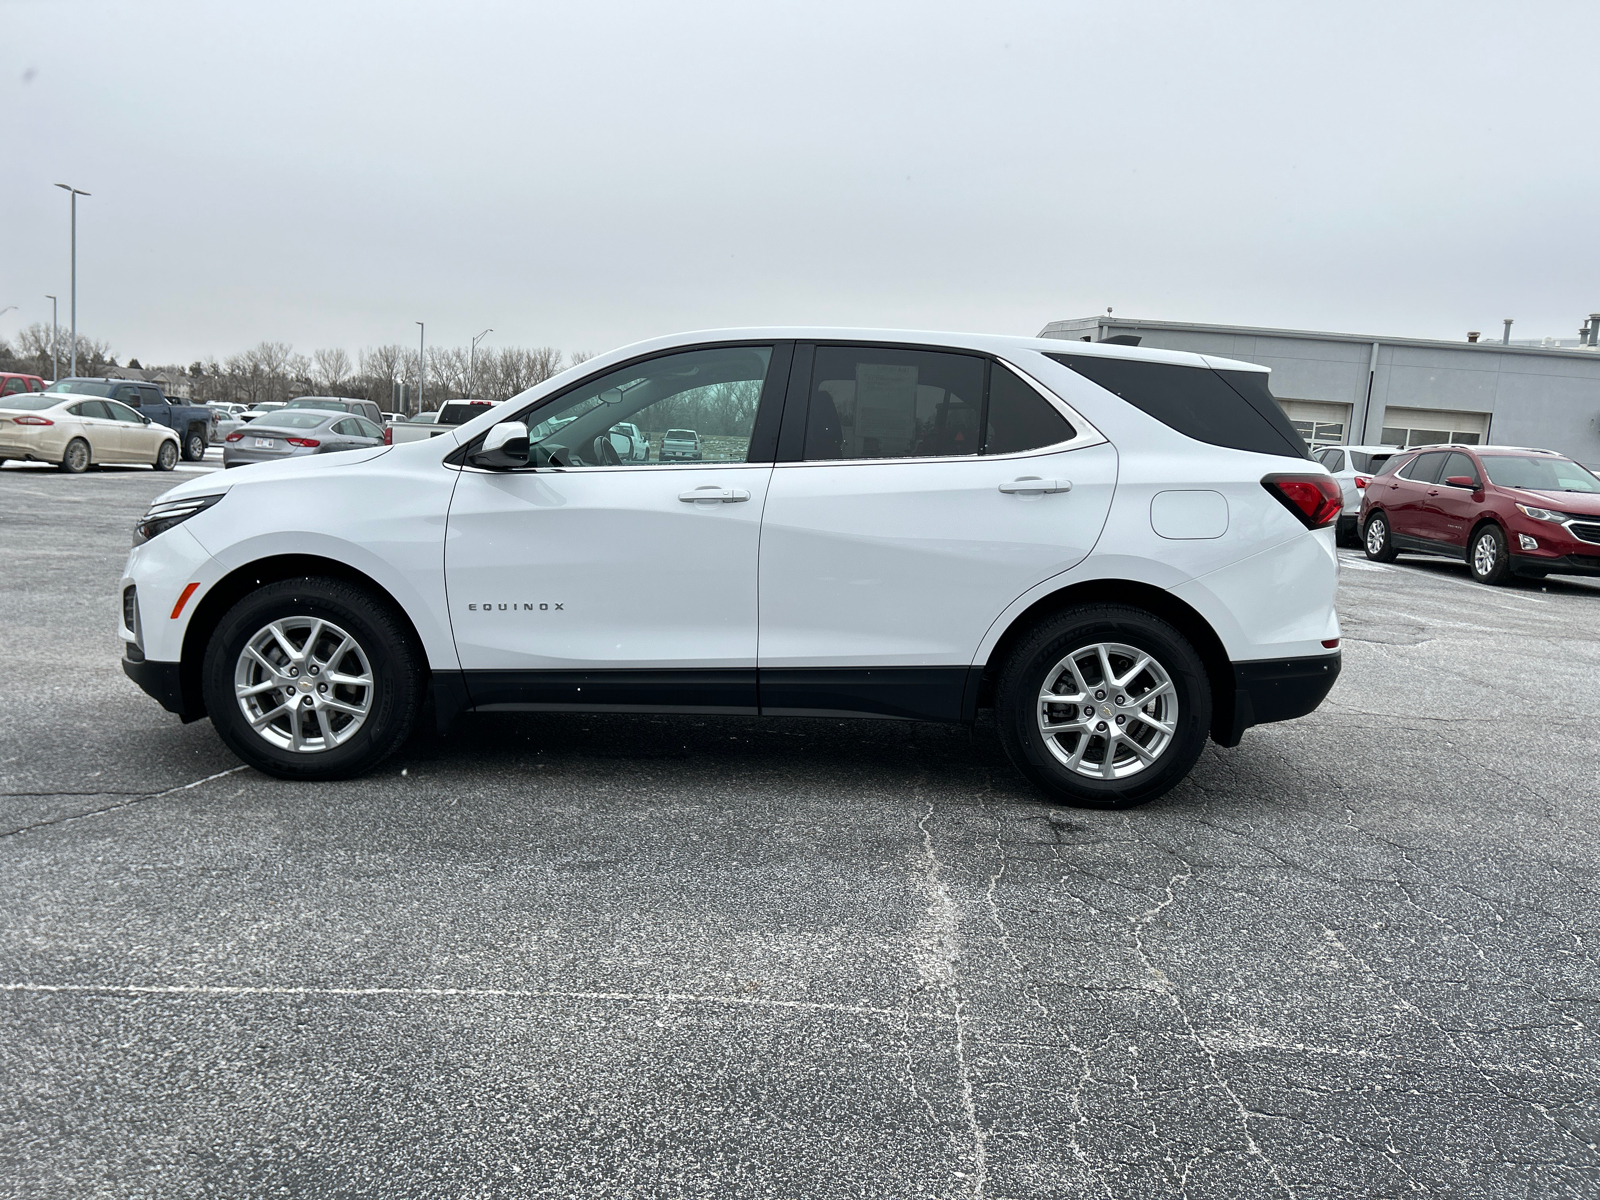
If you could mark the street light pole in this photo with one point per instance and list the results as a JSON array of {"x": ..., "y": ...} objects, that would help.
[
  {"x": 422, "y": 342},
  {"x": 75, "y": 194},
  {"x": 472, "y": 363},
  {"x": 55, "y": 360}
]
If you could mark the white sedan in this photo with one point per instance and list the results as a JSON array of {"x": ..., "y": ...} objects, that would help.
[{"x": 77, "y": 432}]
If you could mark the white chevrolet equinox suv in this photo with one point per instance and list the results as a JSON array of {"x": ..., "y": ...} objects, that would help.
[{"x": 1121, "y": 551}]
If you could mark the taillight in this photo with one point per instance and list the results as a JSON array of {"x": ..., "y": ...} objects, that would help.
[
  {"x": 1362, "y": 481},
  {"x": 305, "y": 442},
  {"x": 1315, "y": 500},
  {"x": 388, "y": 436},
  {"x": 234, "y": 437},
  {"x": 32, "y": 421}
]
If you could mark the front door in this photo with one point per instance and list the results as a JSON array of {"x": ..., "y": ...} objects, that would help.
[
  {"x": 1404, "y": 497},
  {"x": 137, "y": 439},
  {"x": 586, "y": 581},
  {"x": 932, "y": 490}
]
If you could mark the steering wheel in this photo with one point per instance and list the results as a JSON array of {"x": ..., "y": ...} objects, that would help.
[{"x": 605, "y": 454}]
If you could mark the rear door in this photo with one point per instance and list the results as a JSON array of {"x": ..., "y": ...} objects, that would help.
[
  {"x": 924, "y": 491},
  {"x": 1404, "y": 495},
  {"x": 1450, "y": 512}
]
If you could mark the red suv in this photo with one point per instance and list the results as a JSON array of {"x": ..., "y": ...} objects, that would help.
[{"x": 1506, "y": 510}]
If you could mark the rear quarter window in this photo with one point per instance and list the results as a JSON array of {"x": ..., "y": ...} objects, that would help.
[{"x": 1222, "y": 408}]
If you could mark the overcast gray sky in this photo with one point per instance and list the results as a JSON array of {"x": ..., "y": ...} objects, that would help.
[{"x": 588, "y": 174}]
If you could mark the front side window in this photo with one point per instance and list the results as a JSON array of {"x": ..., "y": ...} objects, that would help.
[
  {"x": 127, "y": 393},
  {"x": 1538, "y": 473},
  {"x": 876, "y": 402},
  {"x": 1457, "y": 463},
  {"x": 693, "y": 406},
  {"x": 121, "y": 412}
]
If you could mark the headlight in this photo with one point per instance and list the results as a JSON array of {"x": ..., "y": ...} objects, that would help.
[
  {"x": 1541, "y": 514},
  {"x": 167, "y": 513}
]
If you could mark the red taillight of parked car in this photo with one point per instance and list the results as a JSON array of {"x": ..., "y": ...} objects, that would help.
[
  {"x": 305, "y": 443},
  {"x": 388, "y": 436},
  {"x": 32, "y": 421},
  {"x": 1314, "y": 499},
  {"x": 234, "y": 437},
  {"x": 1362, "y": 481}
]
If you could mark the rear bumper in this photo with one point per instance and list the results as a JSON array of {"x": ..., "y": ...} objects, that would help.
[{"x": 1279, "y": 689}]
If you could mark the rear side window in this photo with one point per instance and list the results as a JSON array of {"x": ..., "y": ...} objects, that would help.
[
  {"x": 1424, "y": 468},
  {"x": 1019, "y": 418},
  {"x": 1222, "y": 408},
  {"x": 882, "y": 402}
]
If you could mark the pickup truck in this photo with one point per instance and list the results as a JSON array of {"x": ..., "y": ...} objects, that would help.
[
  {"x": 191, "y": 422},
  {"x": 426, "y": 425}
]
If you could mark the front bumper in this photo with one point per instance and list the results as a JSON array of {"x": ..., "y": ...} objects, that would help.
[
  {"x": 1555, "y": 564},
  {"x": 1278, "y": 689},
  {"x": 160, "y": 680}
]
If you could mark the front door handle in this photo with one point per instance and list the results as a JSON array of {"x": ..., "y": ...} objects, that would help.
[
  {"x": 1032, "y": 485},
  {"x": 711, "y": 494}
]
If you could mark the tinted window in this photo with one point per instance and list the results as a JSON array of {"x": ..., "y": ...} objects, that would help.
[
  {"x": 874, "y": 402},
  {"x": 128, "y": 394},
  {"x": 150, "y": 395},
  {"x": 1223, "y": 408},
  {"x": 1333, "y": 459},
  {"x": 1020, "y": 418},
  {"x": 1539, "y": 473},
  {"x": 713, "y": 393},
  {"x": 95, "y": 409},
  {"x": 1459, "y": 464},
  {"x": 459, "y": 414},
  {"x": 121, "y": 412},
  {"x": 1362, "y": 461},
  {"x": 1425, "y": 467}
]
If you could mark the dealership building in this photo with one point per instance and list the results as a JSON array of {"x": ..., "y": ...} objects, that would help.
[{"x": 1346, "y": 389}]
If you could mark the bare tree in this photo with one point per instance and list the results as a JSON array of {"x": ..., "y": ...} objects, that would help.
[{"x": 331, "y": 368}]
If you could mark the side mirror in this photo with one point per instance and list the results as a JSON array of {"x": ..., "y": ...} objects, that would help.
[
  {"x": 505, "y": 447},
  {"x": 147, "y": 421},
  {"x": 1462, "y": 481},
  {"x": 611, "y": 396}
]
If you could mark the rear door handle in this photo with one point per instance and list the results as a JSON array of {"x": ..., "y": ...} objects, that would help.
[
  {"x": 1032, "y": 485},
  {"x": 714, "y": 495}
]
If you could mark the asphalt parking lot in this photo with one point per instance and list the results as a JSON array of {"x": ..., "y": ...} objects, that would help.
[{"x": 653, "y": 956}]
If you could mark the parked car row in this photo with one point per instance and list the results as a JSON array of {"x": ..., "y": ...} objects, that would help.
[
  {"x": 1506, "y": 511},
  {"x": 77, "y": 432}
]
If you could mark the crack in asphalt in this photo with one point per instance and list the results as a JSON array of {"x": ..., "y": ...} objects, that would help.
[{"x": 136, "y": 798}]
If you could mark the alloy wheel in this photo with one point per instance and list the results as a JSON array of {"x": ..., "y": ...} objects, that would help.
[
  {"x": 1377, "y": 531},
  {"x": 1107, "y": 710},
  {"x": 304, "y": 684},
  {"x": 1485, "y": 553}
]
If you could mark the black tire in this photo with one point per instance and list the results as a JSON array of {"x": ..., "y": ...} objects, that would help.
[
  {"x": 396, "y": 666},
  {"x": 194, "y": 446},
  {"x": 1375, "y": 539},
  {"x": 1487, "y": 556},
  {"x": 75, "y": 459},
  {"x": 166, "y": 455},
  {"x": 1034, "y": 660}
]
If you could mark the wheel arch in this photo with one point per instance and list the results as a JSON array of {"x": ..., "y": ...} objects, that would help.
[
  {"x": 239, "y": 583},
  {"x": 1477, "y": 528},
  {"x": 1157, "y": 601}
]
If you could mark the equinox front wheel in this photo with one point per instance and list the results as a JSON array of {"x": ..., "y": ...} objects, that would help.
[{"x": 312, "y": 679}]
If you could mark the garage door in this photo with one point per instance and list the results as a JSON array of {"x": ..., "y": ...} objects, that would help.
[
  {"x": 1320, "y": 423},
  {"x": 1406, "y": 427}
]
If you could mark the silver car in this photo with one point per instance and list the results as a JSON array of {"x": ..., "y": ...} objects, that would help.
[
  {"x": 1353, "y": 467},
  {"x": 296, "y": 433}
]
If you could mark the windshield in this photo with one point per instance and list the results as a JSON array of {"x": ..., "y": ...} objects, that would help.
[
  {"x": 83, "y": 387},
  {"x": 29, "y": 402},
  {"x": 324, "y": 404},
  {"x": 294, "y": 420},
  {"x": 1539, "y": 474}
]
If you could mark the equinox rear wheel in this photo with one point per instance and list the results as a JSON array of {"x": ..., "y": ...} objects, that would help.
[
  {"x": 312, "y": 679},
  {"x": 1104, "y": 706},
  {"x": 1376, "y": 540}
]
